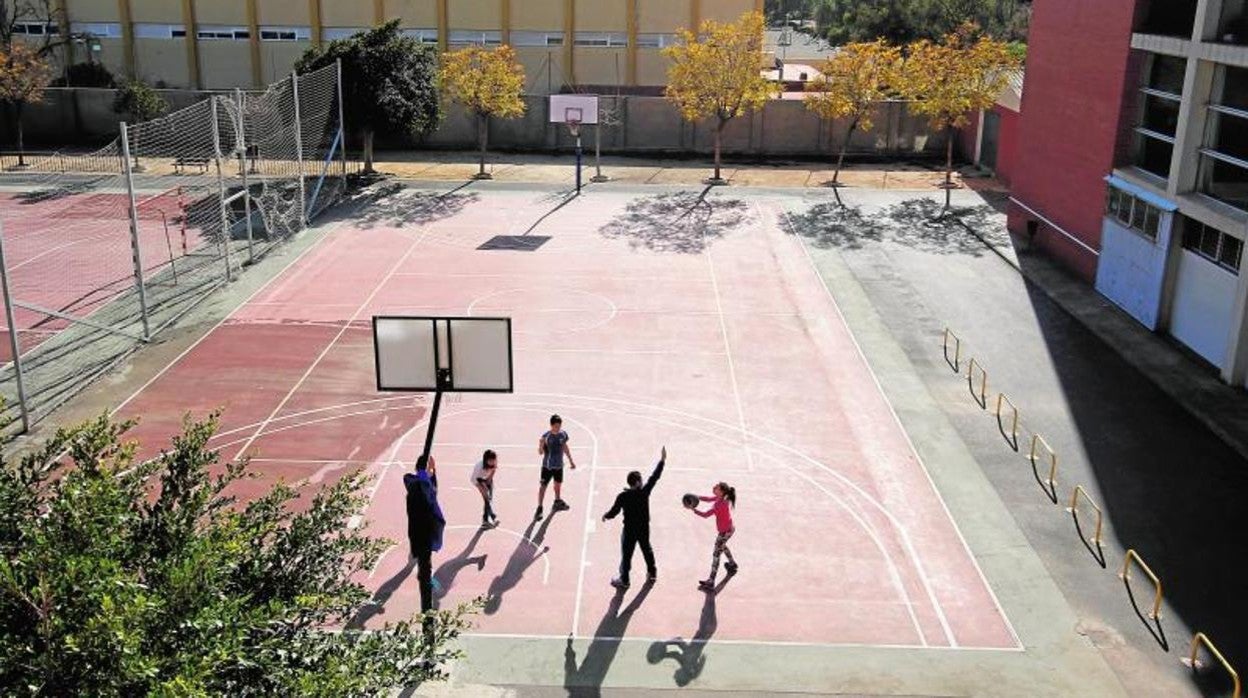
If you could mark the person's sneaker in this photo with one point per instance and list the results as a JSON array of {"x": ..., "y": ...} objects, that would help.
[
  {"x": 706, "y": 585},
  {"x": 560, "y": 505},
  {"x": 537, "y": 516},
  {"x": 619, "y": 584},
  {"x": 731, "y": 567}
]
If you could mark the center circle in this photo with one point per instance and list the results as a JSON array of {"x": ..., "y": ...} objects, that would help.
[{"x": 546, "y": 310}]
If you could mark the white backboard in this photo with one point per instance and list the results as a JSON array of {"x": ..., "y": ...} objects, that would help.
[
  {"x": 583, "y": 108},
  {"x": 473, "y": 352}
]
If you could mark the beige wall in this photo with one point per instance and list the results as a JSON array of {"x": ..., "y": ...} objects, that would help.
[
  {"x": 278, "y": 58},
  {"x": 602, "y": 15},
  {"x": 225, "y": 64},
  {"x": 597, "y": 66},
  {"x": 666, "y": 16},
  {"x": 534, "y": 61},
  {"x": 537, "y": 15},
  {"x": 227, "y": 12},
  {"x": 651, "y": 67},
  {"x": 420, "y": 14},
  {"x": 162, "y": 60},
  {"x": 91, "y": 10},
  {"x": 283, "y": 12},
  {"x": 167, "y": 11},
  {"x": 474, "y": 14},
  {"x": 347, "y": 13}
]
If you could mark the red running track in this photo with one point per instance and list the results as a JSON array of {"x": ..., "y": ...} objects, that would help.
[{"x": 735, "y": 357}]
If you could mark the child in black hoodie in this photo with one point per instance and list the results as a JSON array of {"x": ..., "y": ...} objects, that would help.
[{"x": 634, "y": 501}]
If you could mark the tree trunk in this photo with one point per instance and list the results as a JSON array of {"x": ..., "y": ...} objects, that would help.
[
  {"x": 948, "y": 169},
  {"x": 719, "y": 131},
  {"x": 840, "y": 158},
  {"x": 483, "y": 136},
  {"x": 368, "y": 151},
  {"x": 21, "y": 143}
]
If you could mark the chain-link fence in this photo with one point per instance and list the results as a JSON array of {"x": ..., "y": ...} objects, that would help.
[{"x": 103, "y": 251}]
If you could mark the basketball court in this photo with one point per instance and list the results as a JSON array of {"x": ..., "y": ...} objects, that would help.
[{"x": 644, "y": 320}]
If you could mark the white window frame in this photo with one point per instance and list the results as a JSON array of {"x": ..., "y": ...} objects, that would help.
[
  {"x": 653, "y": 40},
  {"x": 469, "y": 37},
  {"x": 276, "y": 33},
  {"x": 222, "y": 32},
  {"x": 154, "y": 30},
  {"x": 43, "y": 28},
  {"x": 600, "y": 39},
  {"x": 99, "y": 30}
]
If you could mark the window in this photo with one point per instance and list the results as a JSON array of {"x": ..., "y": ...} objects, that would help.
[
  {"x": 655, "y": 40},
  {"x": 1223, "y": 173},
  {"x": 102, "y": 30},
  {"x": 35, "y": 28},
  {"x": 473, "y": 36},
  {"x": 424, "y": 36},
  {"x": 216, "y": 32},
  {"x": 146, "y": 30},
  {"x": 1133, "y": 213},
  {"x": 285, "y": 34},
  {"x": 1160, "y": 98},
  {"x": 335, "y": 33},
  {"x": 1233, "y": 25},
  {"x": 1212, "y": 244},
  {"x": 601, "y": 39},
  {"x": 1169, "y": 18}
]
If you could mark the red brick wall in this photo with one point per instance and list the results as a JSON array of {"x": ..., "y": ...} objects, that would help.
[
  {"x": 1078, "y": 64},
  {"x": 1007, "y": 144}
]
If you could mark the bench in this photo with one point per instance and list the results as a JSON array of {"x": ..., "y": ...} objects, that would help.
[{"x": 180, "y": 164}]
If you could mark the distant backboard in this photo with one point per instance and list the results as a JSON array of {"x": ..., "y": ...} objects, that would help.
[
  {"x": 473, "y": 354},
  {"x": 581, "y": 108}
]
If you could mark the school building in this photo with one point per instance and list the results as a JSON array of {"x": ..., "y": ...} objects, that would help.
[
  {"x": 215, "y": 44},
  {"x": 1132, "y": 161}
]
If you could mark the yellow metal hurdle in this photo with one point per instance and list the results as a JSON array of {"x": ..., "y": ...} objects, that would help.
[
  {"x": 1003, "y": 400},
  {"x": 956, "y": 364},
  {"x": 982, "y": 396},
  {"x": 1202, "y": 639},
  {"x": 1125, "y": 575},
  {"x": 1037, "y": 443},
  {"x": 1074, "y": 510}
]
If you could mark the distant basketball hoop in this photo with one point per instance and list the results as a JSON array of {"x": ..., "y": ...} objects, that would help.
[{"x": 574, "y": 111}]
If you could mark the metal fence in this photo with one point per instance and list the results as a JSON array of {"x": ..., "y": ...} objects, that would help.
[{"x": 101, "y": 251}]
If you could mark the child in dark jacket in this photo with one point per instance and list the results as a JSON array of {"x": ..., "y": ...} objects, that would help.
[{"x": 634, "y": 501}]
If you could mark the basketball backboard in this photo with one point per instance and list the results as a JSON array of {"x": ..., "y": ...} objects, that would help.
[
  {"x": 447, "y": 354},
  {"x": 565, "y": 109}
]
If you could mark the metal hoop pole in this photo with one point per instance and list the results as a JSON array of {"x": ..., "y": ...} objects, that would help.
[
  {"x": 242, "y": 168},
  {"x": 225, "y": 216},
  {"x": 136, "y": 252},
  {"x": 303, "y": 195}
]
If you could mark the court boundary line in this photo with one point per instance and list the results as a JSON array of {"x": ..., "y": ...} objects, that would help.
[
  {"x": 329, "y": 231},
  {"x": 909, "y": 442},
  {"x": 845, "y": 503},
  {"x": 723, "y": 332},
  {"x": 763, "y": 643}
]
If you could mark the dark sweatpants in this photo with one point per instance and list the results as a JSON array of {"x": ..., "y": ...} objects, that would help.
[
  {"x": 629, "y": 541},
  {"x": 424, "y": 579}
]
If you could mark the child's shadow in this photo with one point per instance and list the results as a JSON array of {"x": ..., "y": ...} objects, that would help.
[
  {"x": 526, "y": 553},
  {"x": 444, "y": 577},
  {"x": 688, "y": 654}
]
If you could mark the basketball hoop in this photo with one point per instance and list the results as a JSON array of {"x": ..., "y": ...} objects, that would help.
[{"x": 574, "y": 127}]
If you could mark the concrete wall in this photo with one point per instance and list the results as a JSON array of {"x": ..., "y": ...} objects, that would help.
[{"x": 647, "y": 125}]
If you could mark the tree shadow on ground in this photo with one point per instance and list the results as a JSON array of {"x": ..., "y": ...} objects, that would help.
[
  {"x": 586, "y": 680},
  {"x": 680, "y": 222},
  {"x": 923, "y": 224},
  {"x": 688, "y": 653},
  {"x": 394, "y": 205},
  {"x": 829, "y": 225},
  {"x": 526, "y": 553}
]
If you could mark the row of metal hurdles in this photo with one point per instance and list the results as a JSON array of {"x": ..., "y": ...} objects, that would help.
[{"x": 1040, "y": 454}]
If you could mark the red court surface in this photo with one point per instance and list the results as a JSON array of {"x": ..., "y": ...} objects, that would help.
[
  {"x": 727, "y": 349},
  {"x": 73, "y": 254}
]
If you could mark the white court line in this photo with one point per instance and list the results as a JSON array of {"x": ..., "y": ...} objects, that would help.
[
  {"x": 732, "y": 368},
  {"x": 759, "y": 643},
  {"x": 324, "y": 352},
  {"x": 914, "y": 451},
  {"x": 329, "y": 233},
  {"x": 867, "y": 527}
]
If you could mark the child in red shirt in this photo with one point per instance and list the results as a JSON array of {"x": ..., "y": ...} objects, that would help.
[{"x": 724, "y": 498}]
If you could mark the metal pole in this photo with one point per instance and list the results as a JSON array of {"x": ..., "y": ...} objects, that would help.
[
  {"x": 136, "y": 253},
  {"x": 303, "y": 198},
  {"x": 342, "y": 124},
  {"x": 17, "y": 355},
  {"x": 578, "y": 161},
  {"x": 598, "y": 175},
  {"x": 225, "y": 215},
  {"x": 242, "y": 168}
]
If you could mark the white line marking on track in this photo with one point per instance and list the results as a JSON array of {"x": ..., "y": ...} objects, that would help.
[{"x": 732, "y": 369}]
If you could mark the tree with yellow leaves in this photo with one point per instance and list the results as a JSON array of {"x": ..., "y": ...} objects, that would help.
[
  {"x": 23, "y": 77},
  {"x": 961, "y": 75},
  {"x": 488, "y": 83},
  {"x": 715, "y": 74},
  {"x": 852, "y": 82}
]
